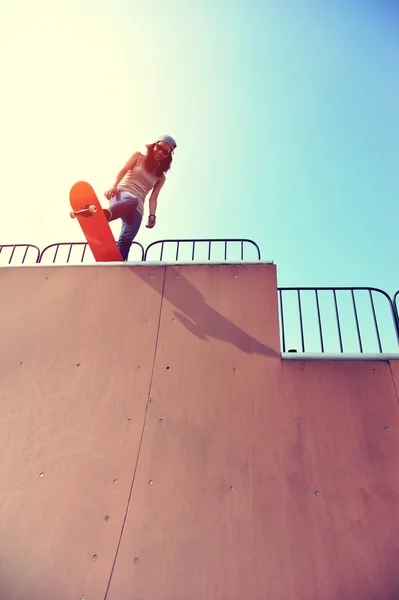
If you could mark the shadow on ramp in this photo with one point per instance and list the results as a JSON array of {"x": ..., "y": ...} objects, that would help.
[{"x": 202, "y": 320}]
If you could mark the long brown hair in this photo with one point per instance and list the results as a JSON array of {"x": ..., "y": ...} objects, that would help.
[{"x": 155, "y": 167}]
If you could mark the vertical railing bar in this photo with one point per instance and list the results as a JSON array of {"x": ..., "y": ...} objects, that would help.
[
  {"x": 25, "y": 253},
  {"x": 375, "y": 320},
  {"x": 56, "y": 252},
  {"x": 319, "y": 319},
  {"x": 282, "y": 318},
  {"x": 338, "y": 323},
  {"x": 301, "y": 320},
  {"x": 12, "y": 255},
  {"x": 395, "y": 314},
  {"x": 359, "y": 335}
]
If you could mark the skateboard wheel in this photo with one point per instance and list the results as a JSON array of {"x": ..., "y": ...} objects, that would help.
[
  {"x": 72, "y": 215},
  {"x": 92, "y": 209}
]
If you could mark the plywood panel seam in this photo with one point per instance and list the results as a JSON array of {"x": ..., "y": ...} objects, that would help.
[
  {"x": 141, "y": 439},
  {"x": 394, "y": 382}
]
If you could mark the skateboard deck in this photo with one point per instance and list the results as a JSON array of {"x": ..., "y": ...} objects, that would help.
[{"x": 87, "y": 209}]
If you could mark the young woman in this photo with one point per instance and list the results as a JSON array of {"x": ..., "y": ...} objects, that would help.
[{"x": 140, "y": 175}]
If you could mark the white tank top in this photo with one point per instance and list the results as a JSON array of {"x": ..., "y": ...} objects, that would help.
[{"x": 139, "y": 182}]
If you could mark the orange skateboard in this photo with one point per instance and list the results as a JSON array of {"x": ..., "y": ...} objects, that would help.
[{"x": 88, "y": 211}]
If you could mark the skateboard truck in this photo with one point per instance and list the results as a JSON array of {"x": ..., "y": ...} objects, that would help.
[{"x": 85, "y": 211}]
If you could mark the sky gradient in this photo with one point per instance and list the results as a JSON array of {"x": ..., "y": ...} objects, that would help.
[{"x": 286, "y": 116}]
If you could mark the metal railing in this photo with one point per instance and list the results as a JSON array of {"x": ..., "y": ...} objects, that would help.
[
  {"x": 337, "y": 319},
  {"x": 234, "y": 249},
  {"x": 198, "y": 245},
  {"x": 10, "y": 254},
  {"x": 77, "y": 252}
]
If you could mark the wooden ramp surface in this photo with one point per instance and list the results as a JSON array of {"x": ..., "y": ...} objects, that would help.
[{"x": 155, "y": 447}]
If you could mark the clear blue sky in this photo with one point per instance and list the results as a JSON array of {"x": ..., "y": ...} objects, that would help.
[{"x": 286, "y": 115}]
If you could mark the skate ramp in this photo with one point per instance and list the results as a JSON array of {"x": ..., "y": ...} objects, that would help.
[{"x": 155, "y": 446}]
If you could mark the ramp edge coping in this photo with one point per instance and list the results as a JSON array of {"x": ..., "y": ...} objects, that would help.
[
  {"x": 141, "y": 264},
  {"x": 340, "y": 356}
]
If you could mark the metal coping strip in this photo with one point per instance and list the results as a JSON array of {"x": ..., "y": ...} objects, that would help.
[
  {"x": 141, "y": 264},
  {"x": 339, "y": 356}
]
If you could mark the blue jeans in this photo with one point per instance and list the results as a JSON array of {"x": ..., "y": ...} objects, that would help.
[{"x": 124, "y": 206}]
